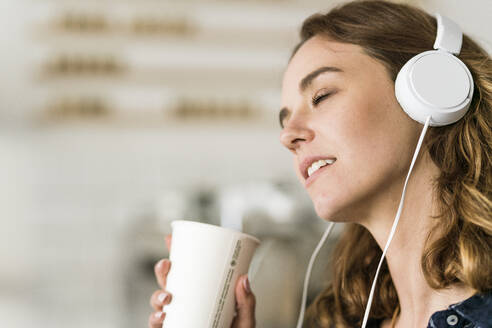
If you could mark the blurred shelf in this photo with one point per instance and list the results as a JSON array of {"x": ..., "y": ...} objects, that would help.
[
  {"x": 274, "y": 39},
  {"x": 199, "y": 81}
]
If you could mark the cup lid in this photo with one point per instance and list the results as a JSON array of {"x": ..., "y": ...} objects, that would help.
[{"x": 212, "y": 226}]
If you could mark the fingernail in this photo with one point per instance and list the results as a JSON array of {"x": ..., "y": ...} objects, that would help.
[
  {"x": 159, "y": 315},
  {"x": 246, "y": 285},
  {"x": 162, "y": 297}
]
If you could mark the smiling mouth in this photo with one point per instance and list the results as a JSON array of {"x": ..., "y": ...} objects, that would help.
[
  {"x": 314, "y": 172},
  {"x": 315, "y": 166}
]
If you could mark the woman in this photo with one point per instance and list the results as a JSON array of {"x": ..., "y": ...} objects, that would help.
[{"x": 339, "y": 103}]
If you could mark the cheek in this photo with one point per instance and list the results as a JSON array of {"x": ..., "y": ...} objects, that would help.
[
  {"x": 369, "y": 142},
  {"x": 373, "y": 151},
  {"x": 370, "y": 128}
]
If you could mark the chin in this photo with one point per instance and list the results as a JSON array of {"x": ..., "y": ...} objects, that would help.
[
  {"x": 335, "y": 209},
  {"x": 327, "y": 208}
]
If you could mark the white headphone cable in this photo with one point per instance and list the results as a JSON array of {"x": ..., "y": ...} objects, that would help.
[
  {"x": 308, "y": 273},
  {"x": 395, "y": 222}
]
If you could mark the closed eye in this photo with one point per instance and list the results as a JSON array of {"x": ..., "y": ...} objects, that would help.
[{"x": 318, "y": 98}]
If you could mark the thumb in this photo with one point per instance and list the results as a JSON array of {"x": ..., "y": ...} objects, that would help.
[{"x": 245, "y": 304}]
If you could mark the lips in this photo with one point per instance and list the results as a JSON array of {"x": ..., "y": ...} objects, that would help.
[
  {"x": 308, "y": 161},
  {"x": 315, "y": 175}
]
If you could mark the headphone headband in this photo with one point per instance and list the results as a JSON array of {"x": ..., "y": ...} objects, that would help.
[{"x": 449, "y": 36}]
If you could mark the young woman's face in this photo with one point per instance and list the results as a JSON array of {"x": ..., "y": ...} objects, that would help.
[{"x": 338, "y": 103}]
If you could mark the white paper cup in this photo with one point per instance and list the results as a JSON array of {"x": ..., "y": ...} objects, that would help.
[{"x": 206, "y": 261}]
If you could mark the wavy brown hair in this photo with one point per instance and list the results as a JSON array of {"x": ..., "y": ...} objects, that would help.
[{"x": 460, "y": 251}]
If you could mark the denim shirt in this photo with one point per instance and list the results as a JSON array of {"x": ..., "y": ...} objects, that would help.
[{"x": 474, "y": 312}]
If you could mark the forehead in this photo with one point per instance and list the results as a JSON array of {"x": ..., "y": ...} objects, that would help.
[{"x": 319, "y": 51}]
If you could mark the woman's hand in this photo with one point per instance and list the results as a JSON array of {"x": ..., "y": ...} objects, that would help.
[
  {"x": 245, "y": 304},
  {"x": 245, "y": 299},
  {"x": 160, "y": 297}
]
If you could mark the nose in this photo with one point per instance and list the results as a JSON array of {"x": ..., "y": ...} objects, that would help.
[{"x": 296, "y": 132}]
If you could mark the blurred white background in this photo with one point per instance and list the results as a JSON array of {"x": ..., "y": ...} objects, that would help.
[{"x": 118, "y": 116}]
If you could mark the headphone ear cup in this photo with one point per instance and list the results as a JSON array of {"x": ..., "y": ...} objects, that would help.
[{"x": 437, "y": 84}]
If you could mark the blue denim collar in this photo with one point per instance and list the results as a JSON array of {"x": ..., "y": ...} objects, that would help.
[{"x": 475, "y": 311}]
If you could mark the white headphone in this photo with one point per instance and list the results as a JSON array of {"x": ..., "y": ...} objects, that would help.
[{"x": 436, "y": 83}]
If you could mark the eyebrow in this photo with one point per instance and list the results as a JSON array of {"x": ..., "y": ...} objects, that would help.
[
  {"x": 305, "y": 83},
  {"x": 308, "y": 79}
]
